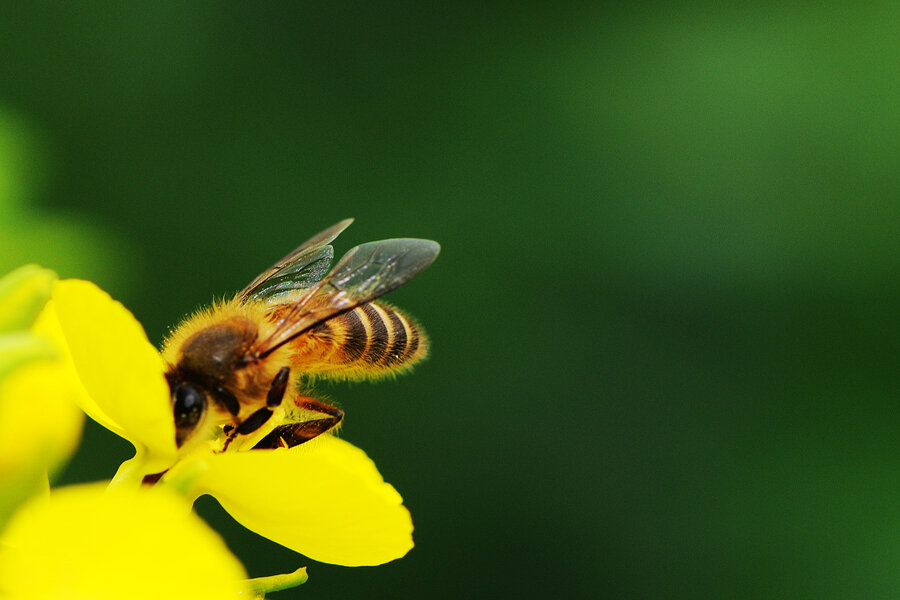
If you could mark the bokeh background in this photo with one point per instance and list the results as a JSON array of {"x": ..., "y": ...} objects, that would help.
[{"x": 665, "y": 316}]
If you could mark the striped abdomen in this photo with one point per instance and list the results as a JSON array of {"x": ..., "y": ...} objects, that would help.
[{"x": 371, "y": 340}]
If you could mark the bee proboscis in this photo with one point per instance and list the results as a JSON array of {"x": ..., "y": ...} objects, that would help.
[{"x": 232, "y": 366}]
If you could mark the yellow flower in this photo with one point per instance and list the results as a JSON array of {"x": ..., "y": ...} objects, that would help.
[
  {"x": 40, "y": 424},
  {"x": 23, "y": 293},
  {"x": 88, "y": 542},
  {"x": 83, "y": 541},
  {"x": 324, "y": 499},
  {"x": 121, "y": 371}
]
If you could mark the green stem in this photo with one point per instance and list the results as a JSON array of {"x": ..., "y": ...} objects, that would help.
[{"x": 276, "y": 583}]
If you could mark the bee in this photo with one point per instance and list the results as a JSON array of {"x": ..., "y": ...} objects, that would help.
[{"x": 231, "y": 367}]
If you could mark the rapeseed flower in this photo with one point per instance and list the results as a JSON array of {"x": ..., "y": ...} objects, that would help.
[
  {"x": 324, "y": 499},
  {"x": 89, "y": 542},
  {"x": 40, "y": 424},
  {"x": 82, "y": 541}
]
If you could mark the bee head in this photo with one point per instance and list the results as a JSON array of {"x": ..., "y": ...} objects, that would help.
[{"x": 188, "y": 407}]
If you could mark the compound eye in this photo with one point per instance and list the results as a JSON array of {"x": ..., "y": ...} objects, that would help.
[{"x": 188, "y": 408}]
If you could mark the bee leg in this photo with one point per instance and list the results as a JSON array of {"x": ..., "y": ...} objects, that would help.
[
  {"x": 249, "y": 425},
  {"x": 294, "y": 434},
  {"x": 152, "y": 478},
  {"x": 259, "y": 418},
  {"x": 227, "y": 399},
  {"x": 278, "y": 387}
]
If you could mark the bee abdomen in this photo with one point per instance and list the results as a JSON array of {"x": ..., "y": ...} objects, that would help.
[
  {"x": 370, "y": 340},
  {"x": 390, "y": 338}
]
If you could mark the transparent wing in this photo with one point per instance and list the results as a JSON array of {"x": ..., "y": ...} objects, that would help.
[
  {"x": 362, "y": 275},
  {"x": 305, "y": 266}
]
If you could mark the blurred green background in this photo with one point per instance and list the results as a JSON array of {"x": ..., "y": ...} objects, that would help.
[{"x": 665, "y": 316}]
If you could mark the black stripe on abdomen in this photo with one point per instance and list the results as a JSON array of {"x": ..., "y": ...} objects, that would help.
[
  {"x": 379, "y": 336},
  {"x": 356, "y": 337},
  {"x": 396, "y": 353}
]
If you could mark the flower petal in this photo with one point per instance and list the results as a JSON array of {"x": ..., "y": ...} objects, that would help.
[
  {"x": 47, "y": 328},
  {"x": 22, "y": 295},
  {"x": 32, "y": 445},
  {"x": 324, "y": 499},
  {"x": 50, "y": 437},
  {"x": 86, "y": 542},
  {"x": 118, "y": 366},
  {"x": 20, "y": 348}
]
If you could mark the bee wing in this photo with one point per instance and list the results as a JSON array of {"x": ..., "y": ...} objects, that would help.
[
  {"x": 365, "y": 273},
  {"x": 305, "y": 266}
]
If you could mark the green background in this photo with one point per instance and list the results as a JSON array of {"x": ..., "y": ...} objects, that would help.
[{"x": 664, "y": 320}]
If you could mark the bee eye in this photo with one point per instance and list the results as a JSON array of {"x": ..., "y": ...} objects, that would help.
[{"x": 188, "y": 407}]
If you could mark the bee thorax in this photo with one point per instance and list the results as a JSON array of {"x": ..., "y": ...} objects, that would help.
[{"x": 215, "y": 352}]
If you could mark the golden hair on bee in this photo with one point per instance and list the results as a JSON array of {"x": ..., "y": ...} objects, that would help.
[{"x": 205, "y": 317}]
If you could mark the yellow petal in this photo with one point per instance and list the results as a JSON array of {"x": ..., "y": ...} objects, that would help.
[
  {"x": 21, "y": 347},
  {"x": 40, "y": 427},
  {"x": 22, "y": 295},
  {"x": 47, "y": 327},
  {"x": 120, "y": 369},
  {"x": 86, "y": 542},
  {"x": 38, "y": 419},
  {"x": 324, "y": 499}
]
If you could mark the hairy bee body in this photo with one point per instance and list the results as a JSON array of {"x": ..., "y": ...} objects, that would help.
[
  {"x": 214, "y": 346},
  {"x": 233, "y": 366}
]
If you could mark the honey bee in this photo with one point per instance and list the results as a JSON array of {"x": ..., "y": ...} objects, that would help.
[{"x": 231, "y": 367}]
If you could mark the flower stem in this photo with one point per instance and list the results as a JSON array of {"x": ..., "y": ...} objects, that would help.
[{"x": 276, "y": 583}]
